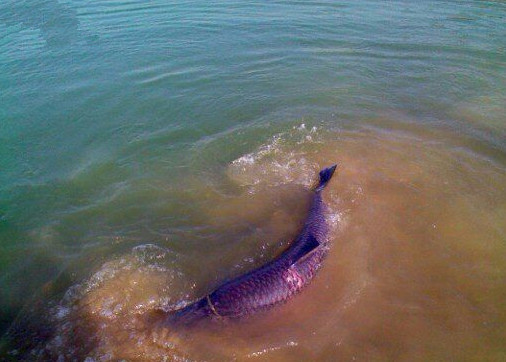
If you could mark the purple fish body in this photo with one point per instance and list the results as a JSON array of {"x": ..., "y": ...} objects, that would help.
[{"x": 275, "y": 282}]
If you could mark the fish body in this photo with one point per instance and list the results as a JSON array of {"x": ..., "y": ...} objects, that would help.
[{"x": 278, "y": 280}]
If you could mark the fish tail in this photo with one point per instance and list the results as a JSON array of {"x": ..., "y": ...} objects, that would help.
[
  {"x": 189, "y": 314},
  {"x": 325, "y": 176}
]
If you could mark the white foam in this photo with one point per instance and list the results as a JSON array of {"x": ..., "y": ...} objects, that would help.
[
  {"x": 282, "y": 160},
  {"x": 62, "y": 312},
  {"x": 273, "y": 349}
]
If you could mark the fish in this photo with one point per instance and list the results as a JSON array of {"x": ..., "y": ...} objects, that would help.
[{"x": 275, "y": 282}]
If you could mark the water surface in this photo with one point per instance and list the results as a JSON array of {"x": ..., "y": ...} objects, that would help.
[{"x": 150, "y": 151}]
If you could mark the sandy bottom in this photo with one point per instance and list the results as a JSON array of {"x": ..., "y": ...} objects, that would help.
[{"x": 416, "y": 271}]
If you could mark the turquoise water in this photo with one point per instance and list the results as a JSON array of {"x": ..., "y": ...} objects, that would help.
[{"x": 130, "y": 123}]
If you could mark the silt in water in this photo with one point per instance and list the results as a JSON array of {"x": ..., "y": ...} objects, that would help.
[{"x": 416, "y": 270}]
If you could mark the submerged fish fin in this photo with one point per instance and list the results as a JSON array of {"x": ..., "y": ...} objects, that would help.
[
  {"x": 189, "y": 314},
  {"x": 325, "y": 176},
  {"x": 307, "y": 250}
]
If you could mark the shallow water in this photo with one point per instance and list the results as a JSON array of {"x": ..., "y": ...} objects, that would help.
[{"x": 151, "y": 151}]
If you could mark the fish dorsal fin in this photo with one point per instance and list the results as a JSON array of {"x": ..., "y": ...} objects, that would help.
[{"x": 309, "y": 247}]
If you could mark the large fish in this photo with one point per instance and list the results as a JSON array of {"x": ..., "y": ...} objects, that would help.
[{"x": 274, "y": 282}]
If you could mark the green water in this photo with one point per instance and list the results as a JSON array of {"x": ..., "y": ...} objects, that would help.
[{"x": 178, "y": 138}]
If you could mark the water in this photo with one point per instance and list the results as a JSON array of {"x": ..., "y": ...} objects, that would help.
[{"x": 148, "y": 151}]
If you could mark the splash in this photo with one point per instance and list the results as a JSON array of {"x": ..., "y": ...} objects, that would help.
[
  {"x": 97, "y": 317},
  {"x": 289, "y": 158},
  {"x": 285, "y": 159}
]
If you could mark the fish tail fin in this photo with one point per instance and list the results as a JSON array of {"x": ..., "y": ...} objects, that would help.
[
  {"x": 190, "y": 314},
  {"x": 325, "y": 176},
  {"x": 180, "y": 318}
]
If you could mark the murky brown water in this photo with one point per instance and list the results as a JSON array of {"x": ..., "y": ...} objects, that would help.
[{"x": 417, "y": 269}]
